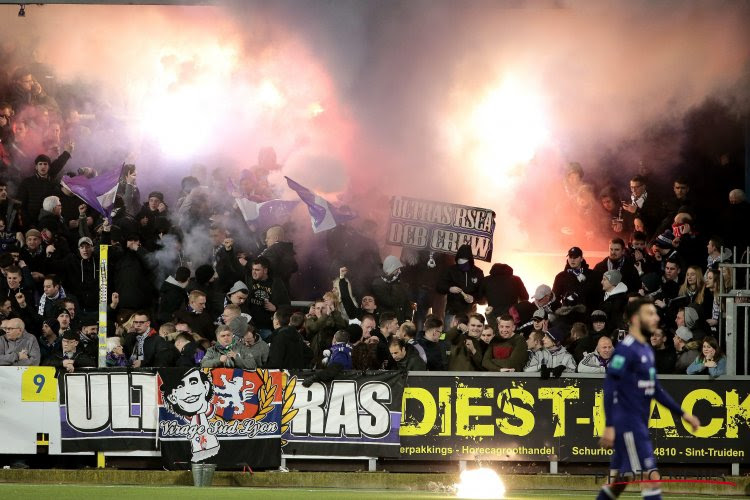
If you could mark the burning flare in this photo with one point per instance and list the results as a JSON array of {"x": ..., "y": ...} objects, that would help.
[{"x": 480, "y": 483}]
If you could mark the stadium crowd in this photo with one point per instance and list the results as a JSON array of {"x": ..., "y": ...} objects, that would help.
[{"x": 415, "y": 311}]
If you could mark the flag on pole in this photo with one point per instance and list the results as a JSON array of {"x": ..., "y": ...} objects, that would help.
[
  {"x": 324, "y": 216},
  {"x": 98, "y": 192},
  {"x": 266, "y": 214}
]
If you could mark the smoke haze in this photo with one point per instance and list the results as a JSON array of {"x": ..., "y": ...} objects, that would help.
[{"x": 366, "y": 100}]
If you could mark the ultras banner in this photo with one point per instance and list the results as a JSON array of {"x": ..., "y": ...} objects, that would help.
[
  {"x": 357, "y": 414},
  {"x": 505, "y": 418},
  {"x": 224, "y": 416},
  {"x": 441, "y": 227},
  {"x": 108, "y": 411}
]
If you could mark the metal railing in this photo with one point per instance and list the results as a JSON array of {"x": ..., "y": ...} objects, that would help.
[{"x": 734, "y": 298}]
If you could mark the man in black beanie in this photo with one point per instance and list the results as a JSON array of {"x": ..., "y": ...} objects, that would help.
[{"x": 33, "y": 190}]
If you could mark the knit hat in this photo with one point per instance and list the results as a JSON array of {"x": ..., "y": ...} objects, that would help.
[
  {"x": 651, "y": 282},
  {"x": 598, "y": 316},
  {"x": 61, "y": 311},
  {"x": 614, "y": 277},
  {"x": 53, "y": 324},
  {"x": 33, "y": 232},
  {"x": 556, "y": 335},
  {"x": 204, "y": 273},
  {"x": 691, "y": 317},
  {"x": 391, "y": 264},
  {"x": 85, "y": 240},
  {"x": 238, "y": 326},
  {"x": 541, "y": 292},
  {"x": 156, "y": 194},
  {"x": 42, "y": 158},
  {"x": 237, "y": 287},
  {"x": 685, "y": 334},
  {"x": 539, "y": 314}
]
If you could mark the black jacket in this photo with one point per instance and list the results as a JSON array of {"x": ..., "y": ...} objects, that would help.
[
  {"x": 665, "y": 359},
  {"x": 393, "y": 297},
  {"x": 80, "y": 360},
  {"x": 589, "y": 290},
  {"x": 283, "y": 263},
  {"x": 202, "y": 324},
  {"x": 288, "y": 350},
  {"x": 187, "y": 356},
  {"x": 274, "y": 291},
  {"x": 33, "y": 190},
  {"x": 132, "y": 279},
  {"x": 158, "y": 352},
  {"x": 502, "y": 289},
  {"x": 436, "y": 352},
  {"x": 172, "y": 298},
  {"x": 80, "y": 276},
  {"x": 469, "y": 279}
]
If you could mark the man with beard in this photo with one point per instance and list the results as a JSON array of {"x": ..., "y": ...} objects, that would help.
[
  {"x": 629, "y": 387},
  {"x": 620, "y": 261}
]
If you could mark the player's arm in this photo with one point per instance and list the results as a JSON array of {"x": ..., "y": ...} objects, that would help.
[
  {"x": 664, "y": 399},
  {"x": 612, "y": 382}
]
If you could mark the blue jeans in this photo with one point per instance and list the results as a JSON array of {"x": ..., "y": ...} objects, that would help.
[{"x": 265, "y": 333}]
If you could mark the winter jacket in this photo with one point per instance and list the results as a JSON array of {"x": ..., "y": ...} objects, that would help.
[
  {"x": 697, "y": 367},
  {"x": 131, "y": 196},
  {"x": 202, "y": 324},
  {"x": 502, "y": 289},
  {"x": 393, "y": 297},
  {"x": 627, "y": 269},
  {"x": 467, "y": 277},
  {"x": 172, "y": 298},
  {"x": 411, "y": 362},
  {"x": 244, "y": 358},
  {"x": 665, "y": 359},
  {"x": 686, "y": 356},
  {"x": 260, "y": 350},
  {"x": 158, "y": 352},
  {"x": 506, "y": 353},
  {"x": 593, "y": 363},
  {"x": 551, "y": 358},
  {"x": 81, "y": 277},
  {"x": 321, "y": 330},
  {"x": 81, "y": 359},
  {"x": 587, "y": 284},
  {"x": 191, "y": 355},
  {"x": 274, "y": 291},
  {"x": 614, "y": 305},
  {"x": 353, "y": 311},
  {"x": 288, "y": 350},
  {"x": 9, "y": 350},
  {"x": 461, "y": 359},
  {"x": 34, "y": 189},
  {"x": 283, "y": 263},
  {"x": 132, "y": 278},
  {"x": 436, "y": 352}
]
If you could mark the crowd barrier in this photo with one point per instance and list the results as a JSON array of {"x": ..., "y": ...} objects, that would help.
[{"x": 235, "y": 417}]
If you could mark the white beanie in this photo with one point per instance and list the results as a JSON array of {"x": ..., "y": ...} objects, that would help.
[{"x": 391, "y": 264}]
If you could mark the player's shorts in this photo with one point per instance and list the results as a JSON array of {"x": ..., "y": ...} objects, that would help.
[{"x": 633, "y": 453}]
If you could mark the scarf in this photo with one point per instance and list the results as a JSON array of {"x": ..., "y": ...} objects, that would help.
[
  {"x": 578, "y": 273},
  {"x": 392, "y": 278},
  {"x": 638, "y": 202},
  {"x": 60, "y": 295}
]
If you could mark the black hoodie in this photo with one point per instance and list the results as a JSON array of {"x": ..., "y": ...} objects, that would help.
[
  {"x": 468, "y": 278},
  {"x": 502, "y": 289}
]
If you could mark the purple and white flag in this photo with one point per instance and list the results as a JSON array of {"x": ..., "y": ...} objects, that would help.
[
  {"x": 266, "y": 214},
  {"x": 324, "y": 216},
  {"x": 98, "y": 192}
]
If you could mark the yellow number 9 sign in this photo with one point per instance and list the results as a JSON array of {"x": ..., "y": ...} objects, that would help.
[{"x": 38, "y": 383}]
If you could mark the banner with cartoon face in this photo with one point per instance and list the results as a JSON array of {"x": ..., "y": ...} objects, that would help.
[{"x": 230, "y": 417}]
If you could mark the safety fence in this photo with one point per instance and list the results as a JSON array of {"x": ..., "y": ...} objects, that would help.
[{"x": 234, "y": 417}]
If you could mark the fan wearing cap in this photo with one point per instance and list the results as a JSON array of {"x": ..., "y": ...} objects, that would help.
[
  {"x": 49, "y": 340},
  {"x": 69, "y": 357},
  {"x": 80, "y": 272},
  {"x": 34, "y": 256},
  {"x": 553, "y": 358},
  {"x": 578, "y": 279},
  {"x": 461, "y": 283},
  {"x": 687, "y": 349},
  {"x": 615, "y": 299}
]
